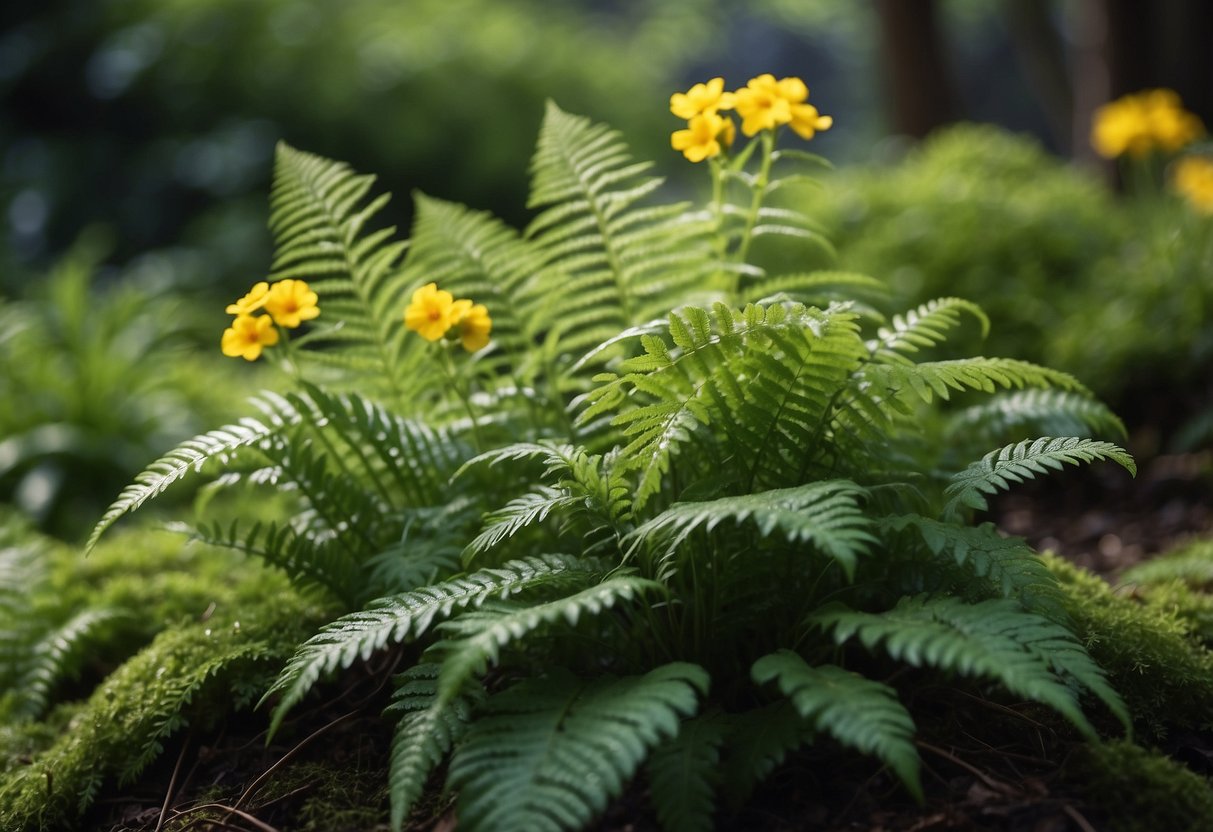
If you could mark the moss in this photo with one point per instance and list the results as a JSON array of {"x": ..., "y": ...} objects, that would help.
[
  {"x": 186, "y": 675},
  {"x": 1140, "y": 790},
  {"x": 1191, "y": 563},
  {"x": 1149, "y": 652}
]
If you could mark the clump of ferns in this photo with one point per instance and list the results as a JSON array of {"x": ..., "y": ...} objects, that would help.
[{"x": 672, "y": 536}]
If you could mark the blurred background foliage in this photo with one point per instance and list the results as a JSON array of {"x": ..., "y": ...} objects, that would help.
[{"x": 136, "y": 141}]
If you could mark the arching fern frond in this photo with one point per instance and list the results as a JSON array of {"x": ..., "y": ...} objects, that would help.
[
  {"x": 427, "y": 731},
  {"x": 1008, "y": 563},
  {"x": 397, "y": 617},
  {"x": 58, "y": 653},
  {"x": 190, "y": 455},
  {"x": 939, "y": 378},
  {"x": 819, "y": 288},
  {"x": 854, "y": 710},
  {"x": 684, "y": 773},
  {"x": 923, "y": 327},
  {"x": 551, "y": 753},
  {"x": 612, "y": 263},
  {"x": 759, "y": 741},
  {"x": 517, "y": 514},
  {"x": 318, "y": 213},
  {"x": 997, "y": 639},
  {"x": 1040, "y": 412},
  {"x": 475, "y": 638},
  {"x": 825, "y": 514},
  {"x": 998, "y": 469}
]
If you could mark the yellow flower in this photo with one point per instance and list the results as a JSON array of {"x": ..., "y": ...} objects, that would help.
[
  {"x": 1192, "y": 177},
  {"x": 429, "y": 313},
  {"x": 729, "y": 134},
  {"x": 250, "y": 303},
  {"x": 807, "y": 122},
  {"x": 474, "y": 325},
  {"x": 291, "y": 302},
  {"x": 701, "y": 138},
  {"x": 762, "y": 105},
  {"x": 1145, "y": 121},
  {"x": 247, "y": 335},
  {"x": 701, "y": 98}
]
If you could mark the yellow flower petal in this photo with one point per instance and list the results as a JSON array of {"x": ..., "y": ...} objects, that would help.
[
  {"x": 251, "y": 302},
  {"x": 247, "y": 335},
  {"x": 291, "y": 302},
  {"x": 429, "y": 312}
]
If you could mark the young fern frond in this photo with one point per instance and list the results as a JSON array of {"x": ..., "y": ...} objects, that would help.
[
  {"x": 1036, "y": 412},
  {"x": 549, "y": 754},
  {"x": 996, "y": 639},
  {"x": 427, "y": 731},
  {"x": 856, "y": 711},
  {"x": 392, "y": 619},
  {"x": 923, "y": 327},
  {"x": 998, "y": 469},
  {"x": 475, "y": 638},
  {"x": 825, "y": 514},
  {"x": 611, "y": 262},
  {"x": 684, "y": 773},
  {"x": 318, "y": 214},
  {"x": 516, "y": 515}
]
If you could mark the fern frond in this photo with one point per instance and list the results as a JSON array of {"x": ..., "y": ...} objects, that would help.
[
  {"x": 517, "y": 514},
  {"x": 1041, "y": 412},
  {"x": 998, "y": 469},
  {"x": 478, "y": 636},
  {"x": 56, "y": 655},
  {"x": 825, "y": 514},
  {"x": 854, "y": 710},
  {"x": 427, "y": 731},
  {"x": 612, "y": 263},
  {"x": 928, "y": 379},
  {"x": 816, "y": 288},
  {"x": 397, "y": 617},
  {"x": 549, "y": 754},
  {"x": 923, "y": 327},
  {"x": 318, "y": 215},
  {"x": 1007, "y": 562},
  {"x": 190, "y": 455},
  {"x": 684, "y": 773},
  {"x": 997, "y": 639},
  {"x": 759, "y": 740}
]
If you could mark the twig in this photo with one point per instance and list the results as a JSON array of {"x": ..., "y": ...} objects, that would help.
[
  {"x": 1077, "y": 817},
  {"x": 952, "y": 758},
  {"x": 172, "y": 782},
  {"x": 231, "y": 810},
  {"x": 287, "y": 756}
]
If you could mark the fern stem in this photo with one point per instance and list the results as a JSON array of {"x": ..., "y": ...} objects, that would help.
[
  {"x": 760, "y": 189},
  {"x": 448, "y": 366}
]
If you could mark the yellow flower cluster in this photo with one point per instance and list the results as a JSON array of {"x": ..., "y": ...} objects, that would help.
[
  {"x": 1143, "y": 122},
  {"x": 433, "y": 313},
  {"x": 763, "y": 104},
  {"x": 1192, "y": 177},
  {"x": 288, "y": 302}
]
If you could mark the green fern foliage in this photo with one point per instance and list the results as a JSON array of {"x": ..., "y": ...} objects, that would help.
[
  {"x": 856, "y": 711},
  {"x": 998, "y": 469},
  {"x": 825, "y": 514},
  {"x": 759, "y": 740},
  {"x": 684, "y": 774},
  {"x": 923, "y": 327},
  {"x": 395, "y": 618},
  {"x": 550, "y": 753},
  {"x": 620, "y": 262},
  {"x": 1036, "y": 411},
  {"x": 994, "y": 639},
  {"x": 429, "y": 727},
  {"x": 319, "y": 212}
]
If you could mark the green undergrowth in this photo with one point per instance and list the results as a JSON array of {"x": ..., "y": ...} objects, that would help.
[{"x": 1134, "y": 789}]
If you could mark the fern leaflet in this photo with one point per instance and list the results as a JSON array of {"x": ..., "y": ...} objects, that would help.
[
  {"x": 684, "y": 773},
  {"x": 551, "y": 753}
]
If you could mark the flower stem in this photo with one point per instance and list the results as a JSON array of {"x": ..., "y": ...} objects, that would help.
[
  {"x": 760, "y": 188},
  {"x": 448, "y": 364}
]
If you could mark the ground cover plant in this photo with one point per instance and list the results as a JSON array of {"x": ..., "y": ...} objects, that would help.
[{"x": 612, "y": 505}]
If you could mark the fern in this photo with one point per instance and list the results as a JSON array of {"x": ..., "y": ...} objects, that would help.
[
  {"x": 428, "y": 729},
  {"x": 759, "y": 741},
  {"x": 397, "y": 617},
  {"x": 57, "y": 654},
  {"x": 857, "y": 712},
  {"x": 318, "y": 215},
  {"x": 478, "y": 636},
  {"x": 928, "y": 379},
  {"x": 613, "y": 262},
  {"x": 1047, "y": 412},
  {"x": 995, "y": 639},
  {"x": 816, "y": 288},
  {"x": 923, "y": 327},
  {"x": 1018, "y": 462},
  {"x": 824, "y": 514},
  {"x": 550, "y": 753},
  {"x": 684, "y": 773}
]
